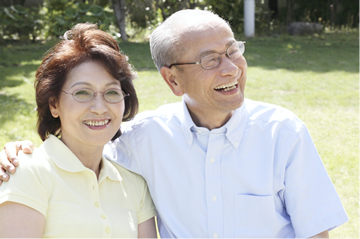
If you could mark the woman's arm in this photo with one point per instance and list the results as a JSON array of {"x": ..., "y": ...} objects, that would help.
[
  {"x": 324, "y": 234},
  {"x": 147, "y": 229},
  {"x": 18, "y": 220}
]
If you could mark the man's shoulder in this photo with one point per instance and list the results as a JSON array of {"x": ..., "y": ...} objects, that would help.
[
  {"x": 165, "y": 113},
  {"x": 268, "y": 113},
  {"x": 130, "y": 177}
]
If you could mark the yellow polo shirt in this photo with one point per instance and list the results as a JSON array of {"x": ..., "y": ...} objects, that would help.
[{"x": 54, "y": 182}]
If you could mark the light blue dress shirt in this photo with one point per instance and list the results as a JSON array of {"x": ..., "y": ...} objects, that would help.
[{"x": 259, "y": 175}]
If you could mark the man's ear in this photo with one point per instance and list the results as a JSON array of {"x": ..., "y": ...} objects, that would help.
[
  {"x": 53, "y": 106},
  {"x": 169, "y": 77}
]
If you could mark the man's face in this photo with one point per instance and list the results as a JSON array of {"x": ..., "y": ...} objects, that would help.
[{"x": 218, "y": 91}]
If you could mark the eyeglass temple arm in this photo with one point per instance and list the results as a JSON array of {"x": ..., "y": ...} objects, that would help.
[{"x": 190, "y": 63}]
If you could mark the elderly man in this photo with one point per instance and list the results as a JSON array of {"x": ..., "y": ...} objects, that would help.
[{"x": 218, "y": 165}]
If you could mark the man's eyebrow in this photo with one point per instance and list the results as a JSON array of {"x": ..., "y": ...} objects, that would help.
[{"x": 204, "y": 53}]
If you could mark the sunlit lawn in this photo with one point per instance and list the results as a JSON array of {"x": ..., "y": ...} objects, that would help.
[{"x": 315, "y": 77}]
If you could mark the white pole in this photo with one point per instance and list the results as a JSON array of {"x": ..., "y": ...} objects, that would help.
[{"x": 249, "y": 18}]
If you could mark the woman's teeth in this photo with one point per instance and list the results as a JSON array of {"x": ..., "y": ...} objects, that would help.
[{"x": 96, "y": 123}]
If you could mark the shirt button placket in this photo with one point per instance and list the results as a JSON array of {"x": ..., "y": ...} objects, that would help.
[
  {"x": 107, "y": 229},
  {"x": 213, "y": 184}
]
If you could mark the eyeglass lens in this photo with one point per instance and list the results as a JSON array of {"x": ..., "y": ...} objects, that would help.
[
  {"x": 110, "y": 95},
  {"x": 212, "y": 60}
]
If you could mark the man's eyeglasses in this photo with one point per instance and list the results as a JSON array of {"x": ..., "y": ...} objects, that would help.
[
  {"x": 212, "y": 60},
  {"x": 86, "y": 94}
]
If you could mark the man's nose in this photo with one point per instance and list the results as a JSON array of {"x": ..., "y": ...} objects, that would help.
[{"x": 228, "y": 66}]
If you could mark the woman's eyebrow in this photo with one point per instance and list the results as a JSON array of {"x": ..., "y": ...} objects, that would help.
[{"x": 88, "y": 84}]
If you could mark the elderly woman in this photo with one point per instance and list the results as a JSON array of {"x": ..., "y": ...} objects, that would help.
[{"x": 67, "y": 188}]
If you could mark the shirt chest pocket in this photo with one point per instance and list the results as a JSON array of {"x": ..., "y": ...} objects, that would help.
[{"x": 255, "y": 216}]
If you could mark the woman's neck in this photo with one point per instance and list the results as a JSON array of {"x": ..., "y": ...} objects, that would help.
[{"x": 90, "y": 156}]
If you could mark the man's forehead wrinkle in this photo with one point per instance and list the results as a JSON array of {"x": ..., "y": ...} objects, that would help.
[
  {"x": 207, "y": 52},
  {"x": 192, "y": 35}
]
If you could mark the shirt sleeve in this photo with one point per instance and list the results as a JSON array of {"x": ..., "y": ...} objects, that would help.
[
  {"x": 146, "y": 209},
  {"x": 310, "y": 197},
  {"x": 26, "y": 186}
]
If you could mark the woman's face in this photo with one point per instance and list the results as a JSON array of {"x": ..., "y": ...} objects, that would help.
[{"x": 91, "y": 123}]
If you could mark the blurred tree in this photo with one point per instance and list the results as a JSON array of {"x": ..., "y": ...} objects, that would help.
[
  {"x": 330, "y": 12},
  {"x": 18, "y": 22},
  {"x": 231, "y": 10},
  {"x": 8, "y": 3},
  {"x": 168, "y": 7},
  {"x": 273, "y": 6},
  {"x": 119, "y": 8},
  {"x": 63, "y": 14}
]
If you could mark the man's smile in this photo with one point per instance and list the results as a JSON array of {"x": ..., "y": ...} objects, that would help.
[{"x": 227, "y": 87}]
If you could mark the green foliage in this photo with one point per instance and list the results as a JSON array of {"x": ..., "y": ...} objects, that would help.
[
  {"x": 18, "y": 22},
  {"x": 148, "y": 13},
  {"x": 63, "y": 14},
  {"x": 169, "y": 7},
  {"x": 141, "y": 13},
  {"x": 52, "y": 19},
  {"x": 331, "y": 12},
  {"x": 232, "y": 11}
]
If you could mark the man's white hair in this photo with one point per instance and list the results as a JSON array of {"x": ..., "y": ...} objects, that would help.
[{"x": 166, "y": 41}]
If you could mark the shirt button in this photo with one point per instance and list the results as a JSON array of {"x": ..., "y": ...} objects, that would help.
[
  {"x": 212, "y": 160},
  {"x": 107, "y": 230},
  {"x": 237, "y": 143},
  {"x": 103, "y": 216},
  {"x": 96, "y": 204},
  {"x": 213, "y": 198},
  {"x": 215, "y": 235}
]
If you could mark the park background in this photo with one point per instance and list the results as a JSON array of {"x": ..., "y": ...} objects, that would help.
[{"x": 315, "y": 75}]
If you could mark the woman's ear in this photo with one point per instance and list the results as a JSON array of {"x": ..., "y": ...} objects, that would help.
[
  {"x": 53, "y": 106},
  {"x": 169, "y": 76}
]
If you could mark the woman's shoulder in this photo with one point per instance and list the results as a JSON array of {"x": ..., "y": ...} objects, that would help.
[{"x": 37, "y": 161}]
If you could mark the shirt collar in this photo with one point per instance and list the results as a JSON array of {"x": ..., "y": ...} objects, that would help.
[
  {"x": 234, "y": 128},
  {"x": 65, "y": 159},
  {"x": 187, "y": 123},
  {"x": 109, "y": 170}
]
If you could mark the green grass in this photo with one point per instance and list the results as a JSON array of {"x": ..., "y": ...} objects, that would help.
[{"x": 315, "y": 77}]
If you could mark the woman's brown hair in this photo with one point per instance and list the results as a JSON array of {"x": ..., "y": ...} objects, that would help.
[{"x": 84, "y": 42}]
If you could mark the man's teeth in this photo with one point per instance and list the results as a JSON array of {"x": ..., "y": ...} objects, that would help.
[
  {"x": 96, "y": 123},
  {"x": 227, "y": 87},
  {"x": 230, "y": 88}
]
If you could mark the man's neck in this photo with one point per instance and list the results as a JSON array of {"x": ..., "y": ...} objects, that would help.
[{"x": 210, "y": 121}]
